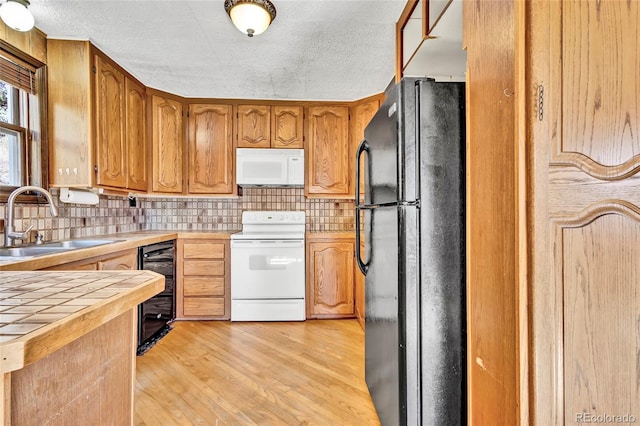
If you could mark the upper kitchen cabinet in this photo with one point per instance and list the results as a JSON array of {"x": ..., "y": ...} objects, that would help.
[
  {"x": 287, "y": 127},
  {"x": 254, "y": 126},
  {"x": 270, "y": 126},
  {"x": 136, "y": 135},
  {"x": 361, "y": 114},
  {"x": 211, "y": 149},
  {"x": 96, "y": 120},
  {"x": 167, "y": 137},
  {"x": 327, "y": 153},
  {"x": 110, "y": 125},
  {"x": 429, "y": 40}
]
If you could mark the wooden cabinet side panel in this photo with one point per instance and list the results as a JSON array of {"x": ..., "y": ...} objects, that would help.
[
  {"x": 70, "y": 113},
  {"x": 167, "y": 145},
  {"x": 110, "y": 122},
  {"x": 328, "y": 156},
  {"x": 254, "y": 126},
  {"x": 88, "y": 381},
  {"x": 287, "y": 127},
  {"x": 492, "y": 295},
  {"x": 211, "y": 151},
  {"x": 136, "y": 114}
]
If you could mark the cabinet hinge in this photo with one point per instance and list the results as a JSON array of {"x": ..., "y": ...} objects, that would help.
[
  {"x": 540, "y": 101},
  {"x": 94, "y": 69},
  {"x": 95, "y": 169}
]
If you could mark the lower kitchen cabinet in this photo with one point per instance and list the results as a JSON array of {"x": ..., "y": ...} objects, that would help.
[
  {"x": 125, "y": 260},
  {"x": 203, "y": 280},
  {"x": 330, "y": 275}
]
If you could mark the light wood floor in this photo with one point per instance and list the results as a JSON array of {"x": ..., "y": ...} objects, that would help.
[{"x": 271, "y": 373}]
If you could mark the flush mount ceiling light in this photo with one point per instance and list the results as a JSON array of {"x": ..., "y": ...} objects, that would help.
[
  {"x": 15, "y": 14},
  {"x": 252, "y": 17}
]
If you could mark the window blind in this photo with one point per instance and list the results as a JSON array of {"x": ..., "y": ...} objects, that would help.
[{"x": 17, "y": 75}]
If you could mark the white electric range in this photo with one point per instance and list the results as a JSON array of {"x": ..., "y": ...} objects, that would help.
[{"x": 268, "y": 267}]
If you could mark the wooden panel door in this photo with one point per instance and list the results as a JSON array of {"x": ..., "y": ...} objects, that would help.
[
  {"x": 167, "y": 140},
  {"x": 254, "y": 126},
  {"x": 136, "y": 115},
  {"x": 331, "y": 281},
  {"x": 328, "y": 155},
  {"x": 125, "y": 260},
  {"x": 110, "y": 122},
  {"x": 585, "y": 141},
  {"x": 287, "y": 127},
  {"x": 69, "y": 106},
  {"x": 361, "y": 115},
  {"x": 211, "y": 168}
]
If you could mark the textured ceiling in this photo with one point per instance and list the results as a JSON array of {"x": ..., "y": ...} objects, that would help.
[{"x": 314, "y": 49}]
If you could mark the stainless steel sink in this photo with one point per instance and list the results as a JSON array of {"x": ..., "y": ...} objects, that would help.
[
  {"x": 30, "y": 251},
  {"x": 17, "y": 253},
  {"x": 75, "y": 244}
]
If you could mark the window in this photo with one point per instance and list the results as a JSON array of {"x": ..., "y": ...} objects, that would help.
[
  {"x": 13, "y": 143},
  {"x": 22, "y": 147}
]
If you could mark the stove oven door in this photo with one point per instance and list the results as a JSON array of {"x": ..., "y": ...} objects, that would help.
[{"x": 267, "y": 269}]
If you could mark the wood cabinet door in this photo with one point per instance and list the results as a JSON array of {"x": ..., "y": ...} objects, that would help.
[
  {"x": 287, "y": 124},
  {"x": 328, "y": 156},
  {"x": 254, "y": 126},
  {"x": 124, "y": 260},
  {"x": 211, "y": 168},
  {"x": 167, "y": 140},
  {"x": 361, "y": 115},
  {"x": 331, "y": 281},
  {"x": 585, "y": 141},
  {"x": 109, "y": 127},
  {"x": 136, "y": 135},
  {"x": 70, "y": 116}
]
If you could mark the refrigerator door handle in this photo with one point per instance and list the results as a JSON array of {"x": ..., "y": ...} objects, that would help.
[
  {"x": 364, "y": 267},
  {"x": 364, "y": 146}
]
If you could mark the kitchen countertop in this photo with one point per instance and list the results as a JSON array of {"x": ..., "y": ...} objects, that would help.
[
  {"x": 42, "y": 311},
  {"x": 125, "y": 241}
]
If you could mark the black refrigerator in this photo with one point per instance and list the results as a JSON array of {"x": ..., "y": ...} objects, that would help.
[{"x": 414, "y": 259}]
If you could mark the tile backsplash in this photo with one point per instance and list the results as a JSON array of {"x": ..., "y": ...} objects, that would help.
[{"x": 113, "y": 213}]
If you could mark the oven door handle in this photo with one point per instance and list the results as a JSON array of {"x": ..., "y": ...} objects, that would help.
[{"x": 269, "y": 244}]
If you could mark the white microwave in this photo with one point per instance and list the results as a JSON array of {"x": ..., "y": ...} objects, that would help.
[{"x": 269, "y": 167}]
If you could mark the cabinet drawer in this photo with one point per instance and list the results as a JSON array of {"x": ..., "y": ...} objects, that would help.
[
  {"x": 203, "y": 306},
  {"x": 203, "y": 286},
  {"x": 204, "y": 267},
  {"x": 203, "y": 251}
]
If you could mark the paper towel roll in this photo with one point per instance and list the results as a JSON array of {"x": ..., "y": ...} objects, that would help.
[{"x": 78, "y": 197}]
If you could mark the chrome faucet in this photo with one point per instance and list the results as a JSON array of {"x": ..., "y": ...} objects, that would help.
[{"x": 9, "y": 234}]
